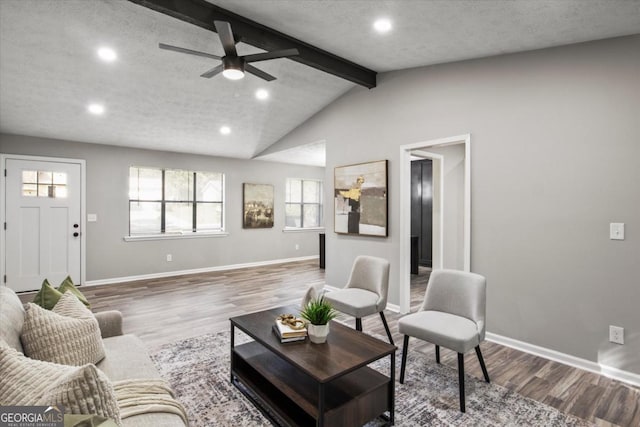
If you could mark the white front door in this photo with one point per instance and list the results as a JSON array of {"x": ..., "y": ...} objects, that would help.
[{"x": 43, "y": 222}]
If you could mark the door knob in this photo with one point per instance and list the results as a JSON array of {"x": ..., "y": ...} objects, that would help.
[
  {"x": 75, "y": 226},
  {"x": 76, "y": 234}
]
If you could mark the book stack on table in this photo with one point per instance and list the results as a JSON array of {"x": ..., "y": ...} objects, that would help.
[{"x": 288, "y": 334}]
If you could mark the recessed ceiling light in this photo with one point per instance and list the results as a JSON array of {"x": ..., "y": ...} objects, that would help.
[
  {"x": 96, "y": 109},
  {"x": 107, "y": 54},
  {"x": 262, "y": 94},
  {"x": 225, "y": 130},
  {"x": 382, "y": 25}
]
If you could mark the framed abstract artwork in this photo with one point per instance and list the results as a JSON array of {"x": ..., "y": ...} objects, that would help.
[
  {"x": 360, "y": 199},
  {"x": 257, "y": 200}
]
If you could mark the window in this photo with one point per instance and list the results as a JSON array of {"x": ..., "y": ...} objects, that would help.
[
  {"x": 303, "y": 203},
  {"x": 44, "y": 184},
  {"x": 174, "y": 201}
]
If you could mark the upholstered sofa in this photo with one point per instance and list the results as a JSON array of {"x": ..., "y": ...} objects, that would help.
[{"x": 126, "y": 356}]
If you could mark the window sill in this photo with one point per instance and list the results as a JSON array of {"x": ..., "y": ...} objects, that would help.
[
  {"x": 173, "y": 236},
  {"x": 302, "y": 230}
]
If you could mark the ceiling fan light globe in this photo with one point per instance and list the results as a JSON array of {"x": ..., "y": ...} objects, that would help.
[{"x": 233, "y": 74}]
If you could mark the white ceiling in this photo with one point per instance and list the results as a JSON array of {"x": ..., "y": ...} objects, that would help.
[{"x": 155, "y": 99}]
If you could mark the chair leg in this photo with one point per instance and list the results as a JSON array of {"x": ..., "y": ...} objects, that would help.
[
  {"x": 386, "y": 328},
  {"x": 358, "y": 324},
  {"x": 461, "y": 380},
  {"x": 481, "y": 360},
  {"x": 437, "y": 354},
  {"x": 405, "y": 348}
]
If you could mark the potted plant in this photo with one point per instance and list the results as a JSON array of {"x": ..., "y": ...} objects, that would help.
[{"x": 318, "y": 313}]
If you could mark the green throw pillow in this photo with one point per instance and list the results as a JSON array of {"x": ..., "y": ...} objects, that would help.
[
  {"x": 67, "y": 285},
  {"x": 47, "y": 296}
]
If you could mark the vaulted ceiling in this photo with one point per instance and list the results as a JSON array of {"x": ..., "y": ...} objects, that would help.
[{"x": 156, "y": 99}]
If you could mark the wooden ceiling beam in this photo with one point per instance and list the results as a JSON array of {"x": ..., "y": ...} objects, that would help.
[{"x": 202, "y": 14}]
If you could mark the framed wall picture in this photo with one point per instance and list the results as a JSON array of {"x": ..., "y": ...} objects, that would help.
[
  {"x": 257, "y": 202},
  {"x": 360, "y": 199}
]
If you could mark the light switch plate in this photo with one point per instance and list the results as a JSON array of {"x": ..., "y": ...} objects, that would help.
[
  {"x": 92, "y": 217},
  {"x": 616, "y": 231}
]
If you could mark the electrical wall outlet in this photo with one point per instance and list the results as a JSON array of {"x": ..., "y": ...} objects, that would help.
[
  {"x": 616, "y": 334},
  {"x": 169, "y": 257},
  {"x": 297, "y": 246}
]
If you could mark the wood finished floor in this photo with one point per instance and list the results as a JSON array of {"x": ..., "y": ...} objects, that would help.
[{"x": 165, "y": 310}]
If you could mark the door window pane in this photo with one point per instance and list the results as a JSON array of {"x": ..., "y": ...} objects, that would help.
[
  {"x": 29, "y": 177},
  {"x": 43, "y": 190},
  {"x": 60, "y": 178},
  {"x": 30, "y": 190},
  {"x": 59, "y": 191},
  {"x": 39, "y": 184},
  {"x": 45, "y": 177}
]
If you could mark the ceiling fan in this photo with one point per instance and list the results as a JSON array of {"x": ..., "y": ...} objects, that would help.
[{"x": 233, "y": 66}]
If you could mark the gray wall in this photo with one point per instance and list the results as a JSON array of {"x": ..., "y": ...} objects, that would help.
[
  {"x": 554, "y": 160},
  {"x": 109, "y": 256}
]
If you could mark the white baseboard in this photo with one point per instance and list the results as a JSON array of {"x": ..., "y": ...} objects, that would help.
[
  {"x": 195, "y": 271},
  {"x": 567, "y": 359},
  {"x": 393, "y": 307}
]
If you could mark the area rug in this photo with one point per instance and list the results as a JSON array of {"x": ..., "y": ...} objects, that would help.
[{"x": 198, "y": 370}]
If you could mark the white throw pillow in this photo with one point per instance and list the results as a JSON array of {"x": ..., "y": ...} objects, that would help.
[
  {"x": 69, "y": 334},
  {"x": 81, "y": 390}
]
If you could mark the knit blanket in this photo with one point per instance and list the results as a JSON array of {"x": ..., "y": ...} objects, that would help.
[{"x": 143, "y": 396}]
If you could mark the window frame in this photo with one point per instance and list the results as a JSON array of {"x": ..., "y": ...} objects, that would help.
[
  {"x": 162, "y": 233},
  {"x": 302, "y": 204}
]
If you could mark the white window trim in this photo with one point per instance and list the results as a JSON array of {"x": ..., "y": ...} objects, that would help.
[
  {"x": 301, "y": 230},
  {"x": 176, "y": 235},
  {"x": 173, "y": 235}
]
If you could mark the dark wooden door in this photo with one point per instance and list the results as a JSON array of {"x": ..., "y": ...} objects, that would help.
[{"x": 422, "y": 208}]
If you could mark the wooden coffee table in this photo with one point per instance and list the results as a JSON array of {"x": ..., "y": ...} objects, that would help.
[{"x": 306, "y": 384}]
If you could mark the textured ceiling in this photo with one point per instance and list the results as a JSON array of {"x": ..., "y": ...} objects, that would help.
[
  {"x": 155, "y": 99},
  {"x": 429, "y": 32}
]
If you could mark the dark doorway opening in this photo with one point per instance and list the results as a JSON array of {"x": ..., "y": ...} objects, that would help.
[{"x": 422, "y": 210}]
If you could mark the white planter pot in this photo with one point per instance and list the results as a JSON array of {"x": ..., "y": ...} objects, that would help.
[{"x": 318, "y": 333}]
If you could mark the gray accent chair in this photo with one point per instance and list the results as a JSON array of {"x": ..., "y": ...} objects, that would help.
[
  {"x": 366, "y": 291},
  {"x": 313, "y": 292},
  {"x": 452, "y": 315}
]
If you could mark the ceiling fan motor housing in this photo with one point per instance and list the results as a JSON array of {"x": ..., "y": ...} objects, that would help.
[{"x": 233, "y": 63}]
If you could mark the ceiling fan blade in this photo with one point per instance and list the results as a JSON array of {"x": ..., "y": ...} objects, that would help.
[
  {"x": 189, "y": 51},
  {"x": 270, "y": 55},
  {"x": 212, "y": 72},
  {"x": 257, "y": 72},
  {"x": 226, "y": 37}
]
